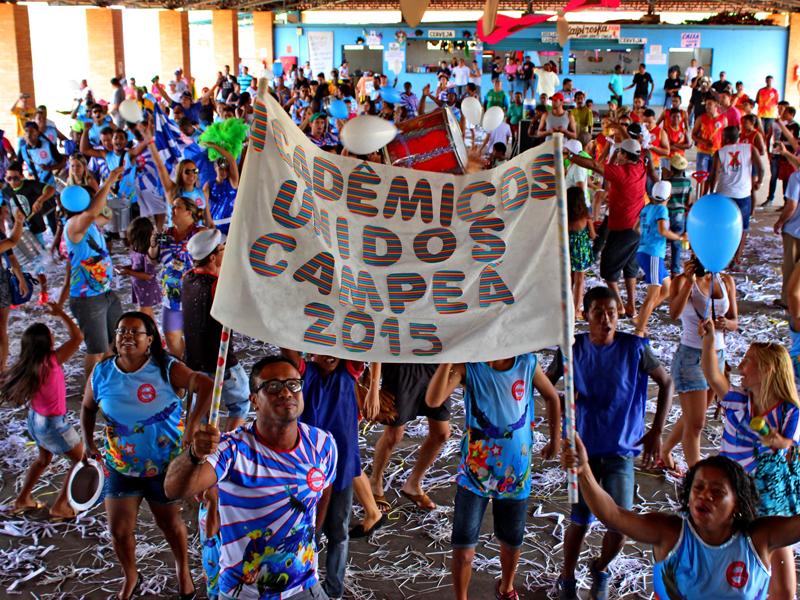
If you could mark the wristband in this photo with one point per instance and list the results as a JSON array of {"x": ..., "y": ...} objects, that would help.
[{"x": 193, "y": 458}]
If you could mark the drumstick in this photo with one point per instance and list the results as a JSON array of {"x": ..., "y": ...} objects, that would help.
[{"x": 219, "y": 376}]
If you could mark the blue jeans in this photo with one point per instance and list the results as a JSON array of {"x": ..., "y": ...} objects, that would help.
[
  {"x": 336, "y": 528},
  {"x": 704, "y": 162},
  {"x": 508, "y": 514},
  {"x": 774, "y": 171},
  {"x": 677, "y": 223},
  {"x": 615, "y": 474}
]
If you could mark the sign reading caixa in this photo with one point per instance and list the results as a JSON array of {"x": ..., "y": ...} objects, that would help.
[{"x": 589, "y": 31}]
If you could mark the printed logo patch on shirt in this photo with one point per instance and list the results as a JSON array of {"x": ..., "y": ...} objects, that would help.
[
  {"x": 737, "y": 574},
  {"x": 315, "y": 479},
  {"x": 518, "y": 389},
  {"x": 146, "y": 393},
  {"x": 43, "y": 154}
]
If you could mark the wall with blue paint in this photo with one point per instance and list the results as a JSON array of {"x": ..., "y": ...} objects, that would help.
[{"x": 744, "y": 53}]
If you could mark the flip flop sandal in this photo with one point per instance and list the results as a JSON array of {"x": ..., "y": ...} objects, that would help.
[
  {"x": 134, "y": 592},
  {"x": 359, "y": 532},
  {"x": 26, "y": 509},
  {"x": 64, "y": 519},
  {"x": 381, "y": 501},
  {"x": 422, "y": 501}
]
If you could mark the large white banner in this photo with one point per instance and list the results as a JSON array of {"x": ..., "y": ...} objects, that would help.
[{"x": 354, "y": 259}]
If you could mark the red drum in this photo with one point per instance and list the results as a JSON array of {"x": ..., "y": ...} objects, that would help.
[{"x": 430, "y": 142}]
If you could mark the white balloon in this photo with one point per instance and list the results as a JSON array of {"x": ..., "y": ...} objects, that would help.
[
  {"x": 472, "y": 109},
  {"x": 366, "y": 134},
  {"x": 492, "y": 119},
  {"x": 396, "y": 67},
  {"x": 130, "y": 111},
  {"x": 73, "y": 85}
]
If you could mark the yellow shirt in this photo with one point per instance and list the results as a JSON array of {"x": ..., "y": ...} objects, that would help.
[{"x": 23, "y": 116}]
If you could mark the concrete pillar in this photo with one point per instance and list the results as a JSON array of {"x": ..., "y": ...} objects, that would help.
[
  {"x": 790, "y": 92},
  {"x": 106, "y": 50},
  {"x": 225, "y": 27},
  {"x": 262, "y": 36},
  {"x": 173, "y": 31},
  {"x": 16, "y": 76}
]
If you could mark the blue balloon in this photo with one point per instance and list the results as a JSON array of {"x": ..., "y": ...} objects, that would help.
[
  {"x": 389, "y": 94},
  {"x": 277, "y": 68},
  {"x": 714, "y": 224},
  {"x": 75, "y": 198},
  {"x": 338, "y": 110}
]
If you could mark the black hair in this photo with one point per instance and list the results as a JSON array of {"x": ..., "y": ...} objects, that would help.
[
  {"x": 500, "y": 147},
  {"x": 115, "y": 81},
  {"x": 597, "y": 293},
  {"x": 731, "y": 134},
  {"x": 184, "y": 121},
  {"x": 576, "y": 205},
  {"x": 541, "y": 108},
  {"x": 674, "y": 111},
  {"x": 566, "y": 80},
  {"x": 678, "y": 96},
  {"x": 25, "y": 377},
  {"x": 743, "y": 486},
  {"x": 157, "y": 353},
  {"x": 649, "y": 112},
  {"x": 119, "y": 132},
  {"x": 15, "y": 166},
  {"x": 106, "y": 131},
  {"x": 791, "y": 110},
  {"x": 472, "y": 87},
  {"x": 256, "y": 369}
]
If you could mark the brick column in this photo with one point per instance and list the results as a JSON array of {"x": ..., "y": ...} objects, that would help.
[
  {"x": 225, "y": 28},
  {"x": 790, "y": 92},
  {"x": 173, "y": 28},
  {"x": 16, "y": 76},
  {"x": 106, "y": 51},
  {"x": 262, "y": 36}
]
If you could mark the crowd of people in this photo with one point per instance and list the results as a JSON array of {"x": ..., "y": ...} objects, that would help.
[{"x": 282, "y": 470}]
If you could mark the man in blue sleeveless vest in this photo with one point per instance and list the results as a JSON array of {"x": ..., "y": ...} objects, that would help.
[
  {"x": 118, "y": 157},
  {"x": 611, "y": 372},
  {"x": 40, "y": 154}
]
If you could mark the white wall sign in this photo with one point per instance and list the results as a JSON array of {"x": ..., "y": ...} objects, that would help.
[
  {"x": 320, "y": 51},
  {"x": 632, "y": 41},
  {"x": 441, "y": 33},
  {"x": 690, "y": 40},
  {"x": 655, "y": 59},
  {"x": 593, "y": 31}
]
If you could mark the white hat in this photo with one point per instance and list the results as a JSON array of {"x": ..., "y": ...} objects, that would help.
[
  {"x": 573, "y": 146},
  {"x": 631, "y": 146},
  {"x": 662, "y": 191},
  {"x": 204, "y": 243}
]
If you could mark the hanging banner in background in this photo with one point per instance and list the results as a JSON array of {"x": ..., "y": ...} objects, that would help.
[
  {"x": 338, "y": 256},
  {"x": 596, "y": 31},
  {"x": 320, "y": 52}
]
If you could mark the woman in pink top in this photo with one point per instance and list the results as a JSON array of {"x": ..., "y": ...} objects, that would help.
[{"x": 36, "y": 379}]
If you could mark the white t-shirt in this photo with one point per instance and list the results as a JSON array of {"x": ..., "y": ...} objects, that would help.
[
  {"x": 575, "y": 175},
  {"x": 461, "y": 75},
  {"x": 501, "y": 134},
  {"x": 477, "y": 79},
  {"x": 546, "y": 82},
  {"x": 691, "y": 73},
  {"x": 181, "y": 86},
  {"x": 734, "y": 179}
]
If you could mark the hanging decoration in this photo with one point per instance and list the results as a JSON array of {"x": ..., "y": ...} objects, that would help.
[
  {"x": 413, "y": 11},
  {"x": 400, "y": 36},
  {"x": 418, "y": 33},
  {"x": 562, "y": 28},
  {"x": 493, "y": 27}
]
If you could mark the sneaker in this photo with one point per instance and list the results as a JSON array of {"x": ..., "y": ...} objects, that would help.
[
  {"x": 767, "y": 202},
  {"x": 44, "y": 298},
  {"x": 600, "y": 579},
  {"x": 567, "y": 589},
  {"x": 512, "y": 595}
]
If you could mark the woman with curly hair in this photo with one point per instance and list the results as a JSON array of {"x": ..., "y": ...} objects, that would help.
[
  {"x": 717, "y": 547},
  {"x": 767, "y": 392}
]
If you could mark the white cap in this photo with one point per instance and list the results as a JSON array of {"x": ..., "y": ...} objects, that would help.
[
  {"x": 662, "y": 190},
  {"x": 204, "y": 243},
  {"x": 631, "y": 146},
  {"x": 573, "y": 146}
]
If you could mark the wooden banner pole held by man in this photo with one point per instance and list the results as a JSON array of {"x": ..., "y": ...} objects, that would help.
[
  {"x": 569, "y": 310},
  {"x": 219, "y": 376}
]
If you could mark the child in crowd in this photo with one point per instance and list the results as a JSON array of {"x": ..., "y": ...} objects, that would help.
[
  {"x": 581, "y": 232},
  {"x": 208, "y": 526},
  {"x": 496, "y": 453},
  {"x": 766, "y": 390},
  {"x": 37, "y": 380},
  {"x": 654, "y": 224},
  {"x": 145, "y": 291}
]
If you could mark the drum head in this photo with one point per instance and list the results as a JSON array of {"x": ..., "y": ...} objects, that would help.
[
  {"x": 458, "y": 140},
  {"x": 85, "y": 487},
  {"x": 118, "y": 203}
]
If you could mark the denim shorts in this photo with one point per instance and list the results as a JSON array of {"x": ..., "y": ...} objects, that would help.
[
  {"x": 235, "y": 392},
  {"x": 509, "y": 519},
  {"x": 149, "y": 488},
  {"x": 744, "y": 206},
  {"x": 687, "y": 372},
  {"x": 54, "y": 434},
  {"x": 615, "y": 475},
  {"x": 704, "y": 162}
]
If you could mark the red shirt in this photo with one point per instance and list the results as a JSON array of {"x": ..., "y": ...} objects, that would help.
[{"x": 626, "y": 194}]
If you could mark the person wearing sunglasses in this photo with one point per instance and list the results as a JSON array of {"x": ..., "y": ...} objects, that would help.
[
  {"x": 275, "y": 478},
  {"x": 97, "y": 122}
]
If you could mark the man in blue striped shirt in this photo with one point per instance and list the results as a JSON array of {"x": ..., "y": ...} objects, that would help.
[{"x": 274, "y": 482}]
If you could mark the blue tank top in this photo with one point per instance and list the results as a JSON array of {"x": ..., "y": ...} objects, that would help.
[
  {"x": 197, "y": 195},
  {"x": 41, "y": 155},
  {"x": 496, "y": 446},
  {"x": 90, "y": 264},
  {"x": 143, "y": 416},
  {"x": 220, "y": 199},
  {"x": 693, "y": 569},
  {"x": 124, "y": 188}
]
